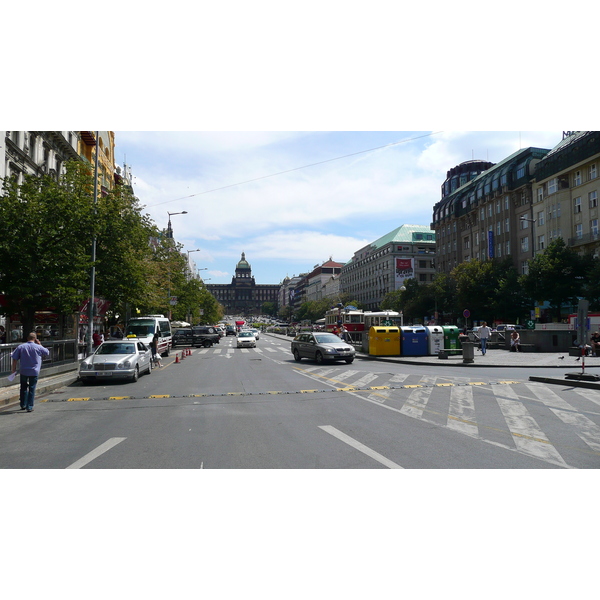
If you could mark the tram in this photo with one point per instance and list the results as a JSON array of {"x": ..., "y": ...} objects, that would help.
[
  {"x": 352, "y": 320},
  {"x": 386, "y": 318}
]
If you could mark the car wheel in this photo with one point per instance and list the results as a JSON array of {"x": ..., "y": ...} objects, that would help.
[
  {"x": 136, "y": 374},
  {"x": 349, "y": 360},
  {"x": 319, "y": 358},
  {"x": 207, "y": 344},
  {"x": 297, "y": 356}
]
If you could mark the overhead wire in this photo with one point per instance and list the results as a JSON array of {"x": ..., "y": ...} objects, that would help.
[{"x": 322, "y": 162}]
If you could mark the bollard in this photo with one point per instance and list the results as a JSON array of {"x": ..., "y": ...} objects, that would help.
[
  {"x": 468, "y": 352},
  {"x": 176, "y": 358}
]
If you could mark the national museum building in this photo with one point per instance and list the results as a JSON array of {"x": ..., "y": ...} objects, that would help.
[{"x": 243, "y": 296}]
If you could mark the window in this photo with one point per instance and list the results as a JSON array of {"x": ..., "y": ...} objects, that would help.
[
  {"x": 524, "y": 267},
  {"x": 507, "y": 248},
  {"x": 579, "y": 231},
  {"x": 593, "y": 198},
  {"x": 577, "y": 178},
  {"x": 466, "y": 243},
  {"x": 490, "y": 210},
  {"x": 540, "y": 194},
  {"x": 553, "y": 186},
  {"x": 499, "y": 251},
  {"x": 521, "y": 170},
  {"x": 506, "y": 202},
  {"x": 525, "y": 244},
  {"x": 541, "y": 242},
  {"x": 540, "y": 218},
  {"x": 498, "y": 228},
  {"x": 592, "y": 173},
  {"x": 577, "y": 205},
  {"x": 498, "y": 207},
  {"x": 594, "y": 226},
  {"x": 524, "y": 223},
  {"x": 481, "y": 214},
  {"x": 506, "y": 225}
]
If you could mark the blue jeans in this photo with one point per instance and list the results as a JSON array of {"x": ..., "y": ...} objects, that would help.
[
  {"x": 483, "y": 345},
  {"x": 27, "y": 392}
]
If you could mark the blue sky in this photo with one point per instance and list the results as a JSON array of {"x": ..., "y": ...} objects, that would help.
[{"x": 291, "y": 200}]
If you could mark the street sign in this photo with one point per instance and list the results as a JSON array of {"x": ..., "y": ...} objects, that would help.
[{"x": 466, "y": 313}]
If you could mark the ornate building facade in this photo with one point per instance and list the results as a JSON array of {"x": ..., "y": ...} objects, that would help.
[{"x": 243, "y": 296}]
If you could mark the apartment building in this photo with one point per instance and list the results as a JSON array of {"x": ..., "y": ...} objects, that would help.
[
  {"x": 481, "y": 219},
  {"x": 565, "y": 195},
  {"x": 382, "y": 266}
]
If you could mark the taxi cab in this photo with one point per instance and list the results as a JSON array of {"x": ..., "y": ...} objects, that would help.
[{"x": 117, "y": 359}]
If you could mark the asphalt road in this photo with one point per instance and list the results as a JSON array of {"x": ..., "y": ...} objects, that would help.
[{"x": 229, "y": 408}]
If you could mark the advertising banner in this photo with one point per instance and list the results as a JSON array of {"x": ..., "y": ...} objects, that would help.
[{"x": 405, "y": 269}]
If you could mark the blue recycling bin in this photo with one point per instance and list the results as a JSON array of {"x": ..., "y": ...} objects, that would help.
[{"x": 414, "y": 341}]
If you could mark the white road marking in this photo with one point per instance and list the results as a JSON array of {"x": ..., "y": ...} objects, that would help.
[
  {"x": 527, "y": 435},
  {"x": 101, "y": 449},
  {"x": 360, "y": 447},
  {"x": 461, "y": 412}
]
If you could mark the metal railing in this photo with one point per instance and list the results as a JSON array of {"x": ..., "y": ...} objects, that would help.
[{"x": 61, "y": 352}]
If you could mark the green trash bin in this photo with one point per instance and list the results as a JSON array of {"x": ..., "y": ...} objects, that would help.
[
  {"x": 384, "y": 341},
  {"x": 451, "y": 341}
]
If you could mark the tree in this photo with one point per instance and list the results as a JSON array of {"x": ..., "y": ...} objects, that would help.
[
  {"x": 557, "y": 276},
  {"x": 48, "y": 228}
]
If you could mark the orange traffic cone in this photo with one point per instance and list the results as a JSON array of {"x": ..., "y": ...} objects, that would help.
[
  {"x": 176, "y": 358},
  {"x": 189, "y": 351}
]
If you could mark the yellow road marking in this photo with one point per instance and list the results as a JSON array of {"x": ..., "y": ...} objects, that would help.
[
  {"x": 160, "y": 396},
  {"x": 77, "y": 399}
]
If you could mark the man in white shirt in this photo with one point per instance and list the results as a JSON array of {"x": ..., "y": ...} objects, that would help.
[{"x": 484, "y": 335}]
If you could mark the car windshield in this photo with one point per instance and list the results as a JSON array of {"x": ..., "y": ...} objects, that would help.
[
  {"x": 327, "y": 338},
  {"x": 246, "y": 334},
  {"x": 116, "y": 349}
]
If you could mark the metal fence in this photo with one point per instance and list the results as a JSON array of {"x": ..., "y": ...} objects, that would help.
[{"x": 61, "y": 352}]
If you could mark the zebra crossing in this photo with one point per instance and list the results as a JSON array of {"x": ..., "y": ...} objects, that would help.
[{"x": 520, "y": 416}]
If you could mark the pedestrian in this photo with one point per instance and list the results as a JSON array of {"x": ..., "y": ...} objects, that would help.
[
  {"x": 154, "y": 349},
  {"x": 96, "y": 339},
  {"x": 29, "y": 355},
  {"x": 2, "y": 335},
  {"x": 484, "y": 335},
  {"x": 515, "y": 341},
  {"x": 595, "y": 343}
]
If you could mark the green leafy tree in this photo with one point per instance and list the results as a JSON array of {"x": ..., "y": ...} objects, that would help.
[
  {"x": 559, "y": 276},
  {"x": 591, "y": 288},
  {"x": 476, "y": 288},
  {"x": 123, "y": 270},
  {"x": 45, "y": 255}
]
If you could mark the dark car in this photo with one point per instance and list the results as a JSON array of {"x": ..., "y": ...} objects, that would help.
[
  {"x": 182, "y": 337},
  {"x": 322, "y": 347},
  {"x": 230, "y": 330},
  {"x": 205, "y": 336}
]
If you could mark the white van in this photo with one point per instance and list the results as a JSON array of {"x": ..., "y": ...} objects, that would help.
[{"x": 145, "y": 328}]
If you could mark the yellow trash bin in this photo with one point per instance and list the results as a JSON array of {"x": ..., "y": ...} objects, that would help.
[{"x": 384, "y": 341}]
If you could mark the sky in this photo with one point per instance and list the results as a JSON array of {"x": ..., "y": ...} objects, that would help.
[{"x": 293, "y": 200}]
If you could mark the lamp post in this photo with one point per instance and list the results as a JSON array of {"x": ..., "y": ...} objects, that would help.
[
  {"x": 189, "y": 270},
  {"x": 169, "y": 228},
  {"x": 92, "y": 304},
  {"x": 532, "y": 221}
]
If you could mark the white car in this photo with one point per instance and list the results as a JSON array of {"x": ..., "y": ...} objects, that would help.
[
  {"x": 117, "y": 359},
  {"x": 246, "y": 339},
  {"x": 256, "y": 333}
]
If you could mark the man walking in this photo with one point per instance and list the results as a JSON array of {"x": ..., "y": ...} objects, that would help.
[
  {"x": 30, "y": 354},
  {"x": 484, "y": 335}
]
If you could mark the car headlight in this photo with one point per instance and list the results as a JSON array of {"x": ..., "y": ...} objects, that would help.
[{"x": 330, "y": 350}]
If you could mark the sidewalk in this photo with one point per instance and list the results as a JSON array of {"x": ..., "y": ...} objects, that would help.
[
  {"x": 503, "y": 359},
  {"x": 9, "y": 395}
]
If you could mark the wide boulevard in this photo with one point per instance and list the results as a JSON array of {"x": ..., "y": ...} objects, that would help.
[{"x": 230, "y": 408}]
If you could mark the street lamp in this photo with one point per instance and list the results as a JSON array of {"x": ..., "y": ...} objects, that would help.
[
  {"x": 169, "y": 228},
  {"x": 532, "y": 221}
]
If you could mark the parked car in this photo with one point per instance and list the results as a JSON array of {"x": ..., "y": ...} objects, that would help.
[
  {"x": 117, "y": 359},
  {"x": 182, "y": 337},
  {"x": 321, "y": 347},
  {"x": 509, "y": 327},
  {"x": 246, "y": 339},
  {"x": 205, "y": 336}
]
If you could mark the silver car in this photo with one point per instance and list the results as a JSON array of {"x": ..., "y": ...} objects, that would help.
[
  {"x": 246, "y": 339},
  {"x": 117, "y": 359},
  {"x": 322, "y": 347}
]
